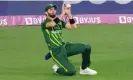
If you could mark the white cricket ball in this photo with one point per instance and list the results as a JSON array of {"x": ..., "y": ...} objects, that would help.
[{"x": 68, "y": 5}]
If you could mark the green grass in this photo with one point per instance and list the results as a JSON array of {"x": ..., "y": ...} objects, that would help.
[{"x": 22, "y": 50}]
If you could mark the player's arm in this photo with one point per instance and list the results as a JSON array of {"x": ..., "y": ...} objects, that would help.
[{"x": 71, "y": 24}]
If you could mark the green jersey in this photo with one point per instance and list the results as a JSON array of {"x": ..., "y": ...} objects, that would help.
[{"x": 53, "y": 35}]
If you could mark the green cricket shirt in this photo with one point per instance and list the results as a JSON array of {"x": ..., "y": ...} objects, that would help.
[{"x": 53, "y": 35}]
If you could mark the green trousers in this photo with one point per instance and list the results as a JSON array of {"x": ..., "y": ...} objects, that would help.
[{"x": 60, "y": 56}]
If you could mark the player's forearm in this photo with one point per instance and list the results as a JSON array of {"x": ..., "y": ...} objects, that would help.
[
  {"x": 61, "y": 16},
  {"x": 73, "y": 26},
  {"x": 69, "y": 16},
  {"x": 72, "y": 21}
]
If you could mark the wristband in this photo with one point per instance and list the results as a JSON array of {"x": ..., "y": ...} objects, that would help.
[
  {"x": 72, "y": 21},
  {"x": 56, "y": 20}
]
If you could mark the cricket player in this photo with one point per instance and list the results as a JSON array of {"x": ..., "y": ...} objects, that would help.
[{"x": 59, "y": 49}]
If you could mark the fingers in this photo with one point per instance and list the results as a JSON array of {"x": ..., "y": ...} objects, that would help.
[{"x": 66, "y": 10}]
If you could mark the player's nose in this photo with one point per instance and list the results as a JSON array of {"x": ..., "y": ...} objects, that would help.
[{"x": 53, "y": 12}]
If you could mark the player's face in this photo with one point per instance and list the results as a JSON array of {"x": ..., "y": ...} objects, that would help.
[{"x": 51, "y": 12}]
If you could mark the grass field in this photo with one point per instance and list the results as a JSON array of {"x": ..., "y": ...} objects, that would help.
[{"x": 22, "y": 50}]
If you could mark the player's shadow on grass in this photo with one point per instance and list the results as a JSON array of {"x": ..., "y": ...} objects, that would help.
[{"x": 24, "y": 72}]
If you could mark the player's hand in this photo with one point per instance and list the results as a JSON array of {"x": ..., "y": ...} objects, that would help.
[
  {"x": 68, "y": 10},
  {"x": 50, "y": 24}
]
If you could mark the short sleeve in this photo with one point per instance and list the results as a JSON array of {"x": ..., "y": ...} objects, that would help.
[
  {"x": 63, "y": 24},
  {"x": 43, "y": 25}
]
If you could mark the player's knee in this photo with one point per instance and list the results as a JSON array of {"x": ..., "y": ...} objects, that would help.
[
  {"x": 87, "y": 47},
  {"x": 71, "y": 73}
]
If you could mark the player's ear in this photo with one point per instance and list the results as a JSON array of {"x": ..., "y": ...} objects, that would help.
[{"x": 46, "y": 13}]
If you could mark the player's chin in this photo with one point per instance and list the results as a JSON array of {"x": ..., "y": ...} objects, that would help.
[{"x": 52, "y": 16}]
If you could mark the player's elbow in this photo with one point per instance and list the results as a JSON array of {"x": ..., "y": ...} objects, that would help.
[{"x": 73, "y": 26}]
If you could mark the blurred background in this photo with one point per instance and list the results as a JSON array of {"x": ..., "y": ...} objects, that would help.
[
  {"x": 16, "y": 13},
  {"x": 83, "y": 7}
]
